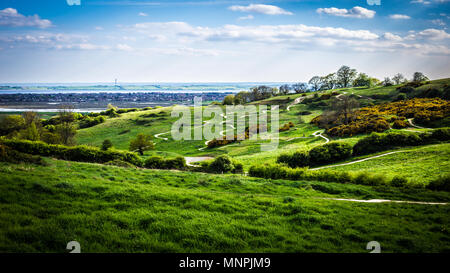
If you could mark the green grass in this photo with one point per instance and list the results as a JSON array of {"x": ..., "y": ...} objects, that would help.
[
  {"x": 112, "y": 209},
  {"x": 419, "y": 164}
]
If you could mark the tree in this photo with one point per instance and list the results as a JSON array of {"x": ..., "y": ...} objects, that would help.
[
  {"x": 386, "y": 82},
  {"x": 329, "y": 81},
  {"x": 344, "y": 105},
  {"x": 141, "y": 143},
  {"x": 362, "y": 80},
  {"x": 30, "y": 133},
  {"x": 285, "y": 89},
  {"x": 228, "y": 100},
  {"x": 398, "y": 78},
  {"x": 106, "y": 144},
  {"x": 242, "y": 97},
  {"x": 30, "y": 117},
  {"x": 260, "y": 92},
  {"x": 11, "y": 123},
  {"x": 300, "y": 87},
  {"x": 66, "y": 129},
  {"x": 345, "y": 76},
  {"x": 419, "y": 77},
  {"x": 315, "y": 83}
]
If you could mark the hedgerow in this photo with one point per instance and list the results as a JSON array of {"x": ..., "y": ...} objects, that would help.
[
  {"x": 157, "y": 162},
  {"x": 275, "y": 171},
  {"x": 320, "y": 155},
  {"x": 74, "y": 153}
]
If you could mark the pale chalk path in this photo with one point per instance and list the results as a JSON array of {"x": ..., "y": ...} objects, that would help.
[
  {"x": 296, "y": 101},
  {"x": 386, "y": 201},
  {"x": 319, "y": 134},
  {"x": 415, "y": 126},
  {"x": 357, "y": 161}
]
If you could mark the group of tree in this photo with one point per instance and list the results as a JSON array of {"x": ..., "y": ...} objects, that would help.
[{"x": 30, "y": 126}]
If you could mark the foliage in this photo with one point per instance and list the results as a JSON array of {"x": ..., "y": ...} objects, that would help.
[
  {"x": 76, "y": 153},
  {"x": 157, "y": 162},
  {"x": 141, "y": 143},
  {"x": 374, "y": 118},
  {"x": 106, "y": 145}
]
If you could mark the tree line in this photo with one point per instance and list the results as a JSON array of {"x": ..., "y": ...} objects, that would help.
[{"x": 344, "y": 77}]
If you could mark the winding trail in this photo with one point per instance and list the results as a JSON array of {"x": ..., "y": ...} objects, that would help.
[
  {"x": 296, "y": 101},
  {"x": 319, "y": 134},
  {"x": 385, "y": 201},
  {"x": 415, "y": 126},
  {"x": 357, "y": 161}
]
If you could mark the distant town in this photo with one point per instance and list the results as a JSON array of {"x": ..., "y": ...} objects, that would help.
[{"x": 101, "y": 100}]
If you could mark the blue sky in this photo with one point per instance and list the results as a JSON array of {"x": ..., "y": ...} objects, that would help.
[{"x": 219, "y": 41}]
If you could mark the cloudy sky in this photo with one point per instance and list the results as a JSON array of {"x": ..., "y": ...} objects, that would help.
[{"x": 219, "y": 41}]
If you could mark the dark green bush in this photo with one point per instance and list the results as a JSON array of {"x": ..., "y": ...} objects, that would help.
[
  {"x": 329, "y": 153},
  {"x": 297, "y": 159},
  {"x": 399, "y": 181},
  {"x": 75, "y": 153},
  {"x": 376, "y": 142},
  {"x": 9, "y": 155},
  {"x": 222, "y": 164},
  {"x": 157, "y": 162},
  {"x": 442, "y": 134},
  {"x": 440, "y": 184}
]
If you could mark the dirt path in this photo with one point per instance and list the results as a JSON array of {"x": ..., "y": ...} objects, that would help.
[
  {"x": 193, "y": 159},
  {"x": 385, "y": 201},
  {"x": 415, "y": 126},
  {"x": 357, "y": 161},
  {"x": 319, "y": 134},
  {"x": 296, "y": 101}
]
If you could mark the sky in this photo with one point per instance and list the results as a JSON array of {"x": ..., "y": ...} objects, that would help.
[{"x": 70, "y": 41}]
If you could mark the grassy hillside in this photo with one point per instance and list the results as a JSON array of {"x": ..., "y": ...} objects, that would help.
[{"x": 112, "y": 209}]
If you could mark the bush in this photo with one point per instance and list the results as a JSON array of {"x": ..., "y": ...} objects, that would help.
[
  {"x": 376, "y": 142},
  {"x": 442, "y": 134},
  {"x": 106, "y": 144},
  {"x": 399, "y": 181},
  {"x": 75, "y": 153},
  {"x": 9, "y": 155},
  {"x": 440, "y": 184},
  {"x": 222, "y": 164},
  {"x": 297, "y": 159},
  {"x": 329, "y": 153},
  {"x": 157, "y": 162},
  {"x": 399, "y": 124}
]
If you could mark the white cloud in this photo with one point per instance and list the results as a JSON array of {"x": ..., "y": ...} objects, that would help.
[
  {"x": 399, "y": 16},
  {"x": 124, "y": 47},
  {"x": 429, "y": 34},
  {"x": 248, "y": 17},
  {"x": 98, "y": 28},
  {"x": 10, "y": 17},
  {"x": 143, "y": 14},
  {"x": 439, "y": 22},
  {"x": 260, "y": 8},
  {"x": 392, "y": 37},
  {"x": 355, "y": 12}
]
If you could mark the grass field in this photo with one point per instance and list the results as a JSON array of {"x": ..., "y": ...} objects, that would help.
[{"x": 112, "y": 209}]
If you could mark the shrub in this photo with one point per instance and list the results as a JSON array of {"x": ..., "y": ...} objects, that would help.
[
  {"x": 399, "y": 181},
  {"x": 9, "y": 155},
  {"x": 297, "y": 159},
  {"x": 442, "y": 134},
  {"x": 75, "y": 153},
  {"x": 329, "y": 153},
  {"x": 222, "y": 164},
  {"x": 399, "y": 124},
  {"x": 440, "y": 184},
  {"x": 106, "y": 144},
  {"x": 157, "y": 162},
  {"x": 380, "y": 142}
]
